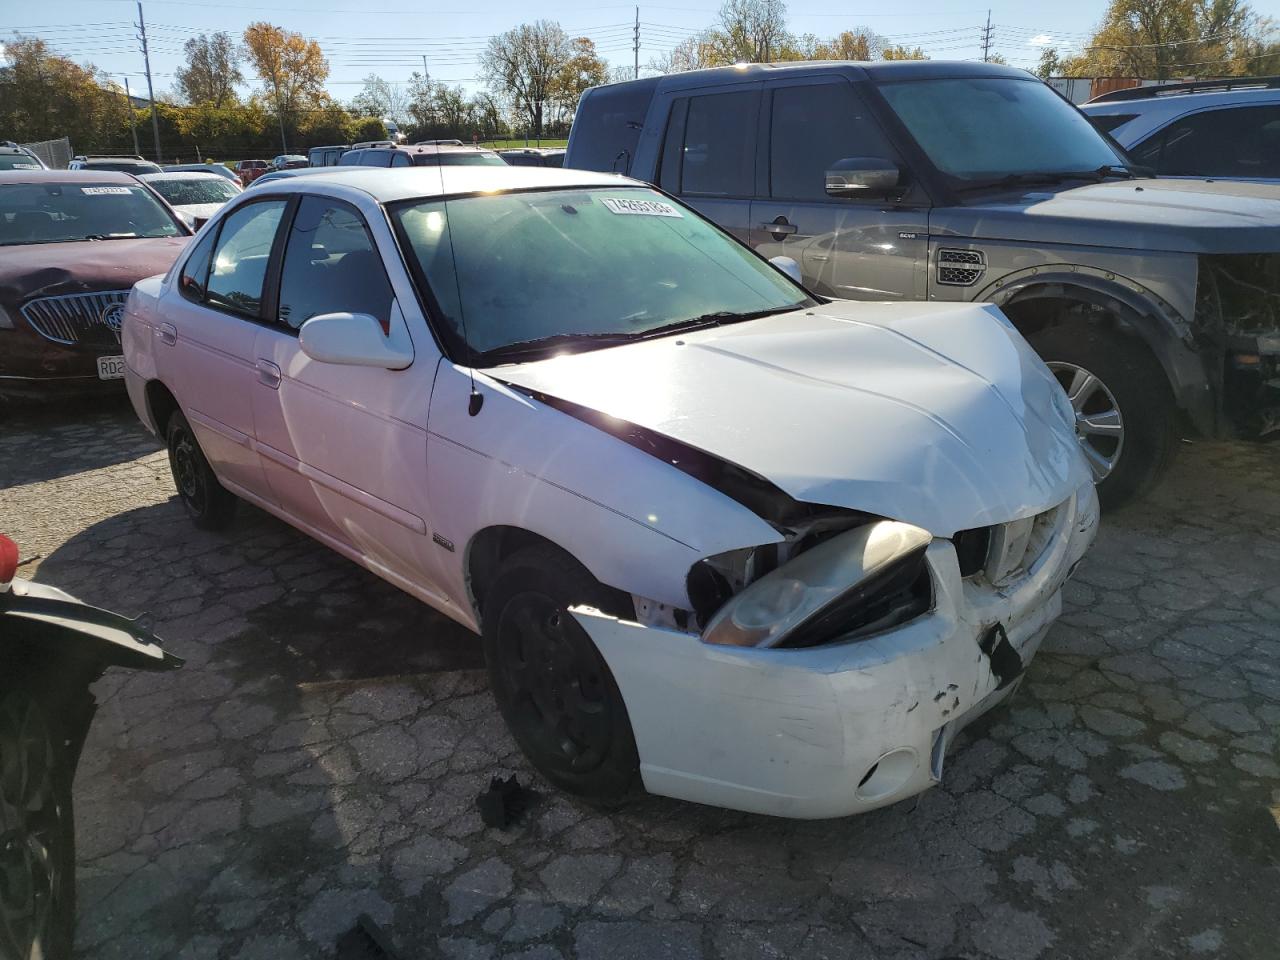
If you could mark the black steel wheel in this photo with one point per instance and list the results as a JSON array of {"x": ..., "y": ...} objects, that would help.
[
  {"x": 554, "y": 690},
  {"x": 37, "y": 839},
  {"x": 210, "y": 505}
]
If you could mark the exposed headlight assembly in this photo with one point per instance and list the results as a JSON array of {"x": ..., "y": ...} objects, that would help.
[
  {"x": 855, "y": 583},
  {"x": 6, "y": 321}
]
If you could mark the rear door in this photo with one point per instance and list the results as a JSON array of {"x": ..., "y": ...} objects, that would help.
[
  {"x": 709, "y": 154},
  {"x": 853, "y": 249},
  {"x": 205, "y": 350}
]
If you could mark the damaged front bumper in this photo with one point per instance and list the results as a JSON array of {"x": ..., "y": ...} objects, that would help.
[{"x": 839, "y": 729}]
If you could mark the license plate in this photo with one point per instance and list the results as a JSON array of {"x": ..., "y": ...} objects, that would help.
[{"x": 110, "y": 368}]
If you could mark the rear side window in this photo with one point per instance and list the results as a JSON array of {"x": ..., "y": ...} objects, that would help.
[
  {"x": 352, "y": 158},
  {"x": 331, "y": 266},
  {"x": 717, "y": 157},
  {"x": 1105, "y": 123},
  {"x": 399, "y": 159},
  {"x": 241, "y": 256},
  {"x": 813, "y": 127},
  {"x": 608, "y": 125},
  {"x": 1241, "y": 142}
]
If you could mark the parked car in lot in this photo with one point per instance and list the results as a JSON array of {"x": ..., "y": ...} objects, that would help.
[
  {"x": 1210, "y": 128},
  {"x": 72, "y": 243},
  {"x": 421, "y": 155},
  {"x": 133, "y": 164},
  {"x": 221, "y": 169},
  {"x": 249, "y": 170},
  {"x": 326, "y": 156},
  {"x": 52, "y": 647},
  {"x": 533, "y": 157},
  {"x": 196, "y": 196},
  {"x": 276, "y": 176},
  {"x": 1153, "y": 301},
  {"x": 15, "y": 157},
  {"x": 766, "y": 550},
  {"x": 288, "y": 161}
]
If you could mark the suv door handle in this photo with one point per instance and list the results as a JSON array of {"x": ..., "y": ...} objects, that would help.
[
  {"x": 780, "y": 227},
  {"x": 167, "y": 333},
  {"x": 268, "y": 374}
]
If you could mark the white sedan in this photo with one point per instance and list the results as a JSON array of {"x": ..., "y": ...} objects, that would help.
[
  {"x": 749, "y": 546},
  {"x": 196, "y": 196}
]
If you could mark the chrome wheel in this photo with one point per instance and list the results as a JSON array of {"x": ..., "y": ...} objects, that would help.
[
  {"x": 1099, "y": 423},
  {"x": 31, "y": 829}
]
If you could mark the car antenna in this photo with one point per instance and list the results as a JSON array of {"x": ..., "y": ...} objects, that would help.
[{"x": 475, "y": 399}]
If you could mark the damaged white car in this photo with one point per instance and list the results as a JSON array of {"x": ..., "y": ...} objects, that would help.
[{"x": 751, "y": 547}]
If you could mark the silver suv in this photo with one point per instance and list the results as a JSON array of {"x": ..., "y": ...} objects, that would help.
[
  {"x": 1155, "y": 302},
  {"x": 1226, "y": 129}
]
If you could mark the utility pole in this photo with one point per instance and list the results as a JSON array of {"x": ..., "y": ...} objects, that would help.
[
  {"x": 146, "y": 59},
  {"x": 636, "y": 45},
  {"x": 426, "y": 77},
  {"x": 133, "y": 126},
  {"x": 986, "y": 40}
]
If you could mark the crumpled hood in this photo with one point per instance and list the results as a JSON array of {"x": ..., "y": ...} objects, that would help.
[
  {"x": 49, "y": 269},
  {"x": 1170, "y": 215},
  {"x": 936, "y": 414}
]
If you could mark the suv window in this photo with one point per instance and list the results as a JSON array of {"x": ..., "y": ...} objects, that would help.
[
  {"x": 717, "y": 154},
  {"x": 331, "y": 266},
  {"x": 812, "y": 127},
  {"x": 399, "y": 159},
  {"x": 1237, "y": 142},
  {"x": 352, "y": 158},
  {"x": 241, "y": 256}
]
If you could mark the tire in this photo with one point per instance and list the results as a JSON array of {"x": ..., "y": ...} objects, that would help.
[
  {"x": 1113, "y": 380},
  {"x": 554, "y": 690},
  {"x": 209, "y": 505},
  {"x": 37, "y": 861}
]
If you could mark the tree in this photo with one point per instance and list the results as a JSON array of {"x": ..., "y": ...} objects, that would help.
[
  {"x": 583, "y": 69},
  {"x": 44, "y": 96},
  {"x": 378, "y": 98},
  {"x": 856, "y": 44},
  {"x": 212, "y": 72},
  {"x": 523, "y": 64},
  {"x": 1050, "y": 64},
  {"x": 910, "y": 53},
  {"x": 293, "y": 71},
  {"x": 752, "y": 31}
]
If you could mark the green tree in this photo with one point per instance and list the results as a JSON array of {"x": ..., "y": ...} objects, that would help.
[
  {"x": 1050, "y": 64},
  {"x": 44, "y": 96},
  {"x": 212, "y": 71},
  {"x": 522, "y": 66}
]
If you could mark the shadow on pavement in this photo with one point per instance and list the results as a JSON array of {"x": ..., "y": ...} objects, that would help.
[{"x": 40, "y": 442}]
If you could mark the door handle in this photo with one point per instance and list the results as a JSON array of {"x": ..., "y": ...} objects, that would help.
[
  {"x": 167, "y": 333},
  {"x": 268, "y": 374},
  {"x": 780, "y": 227}
]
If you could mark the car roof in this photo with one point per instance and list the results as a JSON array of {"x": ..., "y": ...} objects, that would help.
[
  {"x": 181, "y": 175},
  {"x": 430, "y": 148},
  {"x": 67, "y": 176},
  {"x": 387, "y": 185}
]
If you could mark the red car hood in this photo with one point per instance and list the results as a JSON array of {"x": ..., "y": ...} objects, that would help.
[{"x": 48, "y": 269}]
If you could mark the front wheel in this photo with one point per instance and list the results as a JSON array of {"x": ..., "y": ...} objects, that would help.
[
  {"x": 554, "y": 690},
  {"x": 1125, "y": 418}
]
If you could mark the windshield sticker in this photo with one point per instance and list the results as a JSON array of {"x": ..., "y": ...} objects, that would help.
[
  {"x": 100, "y": 191},
  {"x": 641, "y": 208},
  {"x": 24, "y": 166}
]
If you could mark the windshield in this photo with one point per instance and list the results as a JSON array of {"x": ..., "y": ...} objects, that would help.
[
  {"x": 459, "y": 159},
  {"x": 181, "y": 192},
  {"x": 988, "y": 128},
  {"x": 554, "y": 271},
  {"x": 58, "y": 213},
  {"x": 17, "y": 161}
]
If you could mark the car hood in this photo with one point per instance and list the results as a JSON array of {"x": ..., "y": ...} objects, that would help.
[
  {"x": 49, "y": 269},
  {"x": 1170, "y": 215},
  {"x": 939, "y": 415},
  {"x": 203, "y": 210}
]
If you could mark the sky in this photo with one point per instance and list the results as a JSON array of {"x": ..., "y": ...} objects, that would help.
[{"x": 390, "y": 37}]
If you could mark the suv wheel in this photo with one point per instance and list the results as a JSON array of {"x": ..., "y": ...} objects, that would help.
[
  {"x": 210, "y": 505},
  {"x": 554, "y": 690},
  {"x": 1124, "y": 412}
]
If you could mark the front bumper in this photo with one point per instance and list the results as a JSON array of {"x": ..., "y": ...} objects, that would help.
[{"x": 835, "y": 730}]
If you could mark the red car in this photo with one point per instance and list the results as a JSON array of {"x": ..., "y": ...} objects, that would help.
[
  {"x": 250, "y": 170},
  {"x": 73, "y": 245}
]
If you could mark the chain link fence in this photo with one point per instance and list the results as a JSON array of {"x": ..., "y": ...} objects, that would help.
[{"x": 56, "y": 154}]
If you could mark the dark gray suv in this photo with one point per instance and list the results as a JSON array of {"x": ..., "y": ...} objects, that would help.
[{"x": 1155, "y": 302}]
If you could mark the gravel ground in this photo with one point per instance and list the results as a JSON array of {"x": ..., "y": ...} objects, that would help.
[{"x": 319, "y": 754}]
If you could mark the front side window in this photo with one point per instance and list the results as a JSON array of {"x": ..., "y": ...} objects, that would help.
[
  {"x": 331, "y": 266},
  {"x": 1240, "y": 142},
  {"x": 240, "y": 260},
  {"x": 981, "y": 128},
  {"x": 64, "y": 212},
  {"x": 717, "y": 157},
  {"x": 525, "y": 275},
  {"x": 195, "y": 271},
  {"x": 181, "y": 191},
  {"x": 812, "y": 127}
]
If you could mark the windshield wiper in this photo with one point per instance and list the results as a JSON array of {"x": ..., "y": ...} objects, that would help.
[
  {"x": 524, "y": 349},
  {"x": 1055, "y": 176}
]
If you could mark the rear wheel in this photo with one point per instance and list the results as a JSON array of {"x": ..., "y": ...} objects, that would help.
[
  {"x": 1125, "y": 419},
  {"x": 210, "y": 505},
  {"x": 554, "y": 690}
]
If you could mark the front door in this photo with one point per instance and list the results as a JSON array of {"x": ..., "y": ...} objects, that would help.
[
  {"x": 853, "y": 249},
  {"x": 205, "y": 346},
  {"x": 345, "y": 447}
]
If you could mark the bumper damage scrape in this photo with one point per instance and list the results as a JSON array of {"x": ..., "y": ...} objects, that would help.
[{"x": 838, "y": 729}]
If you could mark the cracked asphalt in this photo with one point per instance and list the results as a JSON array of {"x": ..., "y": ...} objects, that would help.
[{"x": 319, "y": 755}]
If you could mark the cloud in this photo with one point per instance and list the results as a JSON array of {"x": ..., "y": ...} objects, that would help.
[{"x": 1040, "y": 40}]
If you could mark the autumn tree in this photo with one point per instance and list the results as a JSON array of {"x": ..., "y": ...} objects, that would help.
[
  {"x": 909, "y": 53},
  {"x": 1050, "y": 64},
  {"x": 293, "y": 70},
  {"x": 523, "y": 65},
  {"x": 44, "y": 96},
  {"x": 212, "y": 71},
  {"x": 582, "y": 70}
]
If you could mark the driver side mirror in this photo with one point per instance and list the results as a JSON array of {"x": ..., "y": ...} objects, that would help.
[
  {"x": 352, "y": 339},
  {"x": 863, "y": 177}
]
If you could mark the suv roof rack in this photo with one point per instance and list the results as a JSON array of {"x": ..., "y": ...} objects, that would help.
[
  {"x": 1191, "y": 86},
  {"x": 373, "y": 144},
  {"x": 438, "y": 143}
]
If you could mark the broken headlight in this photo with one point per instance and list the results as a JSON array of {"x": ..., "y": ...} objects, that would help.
[{"x": 857, "y": 582}]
